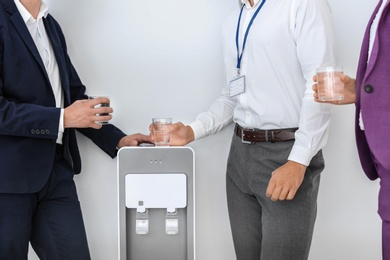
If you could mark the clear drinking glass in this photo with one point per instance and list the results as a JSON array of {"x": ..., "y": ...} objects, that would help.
[
  {"x": 101, "y": 105},
  {"x": 329, "y": 85},
  {"x": 161, "y": 131}
]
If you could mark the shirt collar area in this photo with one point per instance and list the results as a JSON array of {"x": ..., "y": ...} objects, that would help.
[
  {"x": 248, "y": 5},
  {"x": 43, "y": 12}
]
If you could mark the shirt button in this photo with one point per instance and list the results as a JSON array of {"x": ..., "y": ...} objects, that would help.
[{"x": 368, "y": 88}]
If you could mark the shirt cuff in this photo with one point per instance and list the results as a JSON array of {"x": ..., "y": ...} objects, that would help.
[
  {"x": 199, "y": 130},
  {"x": 61, "y": 127},
  {"x": 61, "y": 124},
  {"x": 301, "y": 155}
]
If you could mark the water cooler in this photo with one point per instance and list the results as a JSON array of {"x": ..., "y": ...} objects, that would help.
[{"x": 156, "y": 203}]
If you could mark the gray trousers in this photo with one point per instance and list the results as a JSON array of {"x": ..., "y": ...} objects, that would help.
[{"x": 263, "y": 229}]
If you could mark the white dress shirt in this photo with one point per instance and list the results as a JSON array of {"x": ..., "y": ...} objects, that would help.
[
  {"x": 41, "y": 40},
  {"x": 248, "y": 5},
  {"x": 288, "y": 40}
]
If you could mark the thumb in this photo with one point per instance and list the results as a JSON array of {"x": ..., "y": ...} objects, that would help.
[{"x": 174, "y": 127}]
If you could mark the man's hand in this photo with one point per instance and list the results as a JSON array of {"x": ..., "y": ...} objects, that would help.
[
  {"x": 349, "y": 91},
  {"x": 83, "y": 114},
  {"x": 133, "y": 140},
  {"x": 285, "y": 181},
  {"x": 179, "y": 134}
]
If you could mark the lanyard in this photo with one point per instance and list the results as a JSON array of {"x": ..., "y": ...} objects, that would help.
[{"x": 239, "y": 56}]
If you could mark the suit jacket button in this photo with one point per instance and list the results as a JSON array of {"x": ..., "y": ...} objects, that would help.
[
  {"x": 33, "y": 131},
  {"x": 368, "y": 88},
  {"x": 47, "y": 131}
]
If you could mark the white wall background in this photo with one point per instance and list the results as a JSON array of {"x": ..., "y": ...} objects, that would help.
[{"x": 163, "y": 58}]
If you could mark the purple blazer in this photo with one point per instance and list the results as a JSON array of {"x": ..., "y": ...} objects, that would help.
[{"x": 373, "y": 98}]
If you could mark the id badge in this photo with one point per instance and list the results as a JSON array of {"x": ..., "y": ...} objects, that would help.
[{"x": 237, "y": 86}]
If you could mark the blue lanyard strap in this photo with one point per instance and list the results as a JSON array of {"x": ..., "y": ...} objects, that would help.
[{"x": 239, "y": 56}]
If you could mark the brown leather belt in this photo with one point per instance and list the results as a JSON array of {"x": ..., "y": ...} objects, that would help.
[{"x": 256, "y": 135}]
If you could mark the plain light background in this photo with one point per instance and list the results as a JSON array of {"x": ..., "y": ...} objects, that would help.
[{"x": 163, "y": 59}]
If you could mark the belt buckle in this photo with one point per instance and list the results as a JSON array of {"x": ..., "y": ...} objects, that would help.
[{"x": 242, "y": 135}]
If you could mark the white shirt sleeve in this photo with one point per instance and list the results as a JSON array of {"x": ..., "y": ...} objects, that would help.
[
  {"x": 61, "y": 127},
  {"x": 219, "y": 115},
  {"x": 313, "y": 33}
]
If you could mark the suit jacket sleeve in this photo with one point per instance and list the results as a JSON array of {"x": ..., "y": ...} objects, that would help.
[{"x": 108, "y": 136}]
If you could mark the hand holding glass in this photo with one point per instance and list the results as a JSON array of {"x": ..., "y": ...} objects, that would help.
[
  {"x": 329, "y": 85},
  {"x": 160, "y": 127}
]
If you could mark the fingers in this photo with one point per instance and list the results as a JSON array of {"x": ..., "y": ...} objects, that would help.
[
  {"x": 345, "y": 78},
  {"x": 285, "y": 181},
  {"x": 172, "y": 128},
  {"x": 98, "y": 100},
  {"x": 100, "y": 111},
  {"x": 103, "y": 110},
  {"x": 314, "y": 88},
  {"x": 101, "y": 118},
  {"x": 96, "y": 125},
  {"x": 315, "y": 94},
  {"x": 348, "y": 81},
  {"x": 134, "y": 140},
  {"x": 291, "y": 194},
  {"x": 176, "y": 126},
  {"x": 87, "y": 113},
  {"x": 141, "y": 138},
  {"x": 100, "y": 107},
  {"x": 270, "y": 191},
  {"x": 280, "y": 192}
]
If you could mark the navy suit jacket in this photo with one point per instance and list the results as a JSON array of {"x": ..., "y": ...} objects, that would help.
[{"x": 29, "y": 119}]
